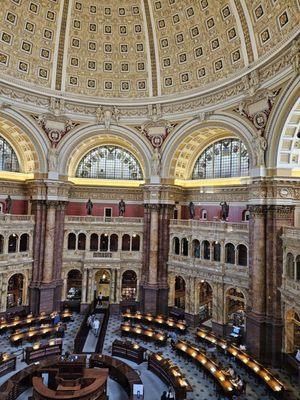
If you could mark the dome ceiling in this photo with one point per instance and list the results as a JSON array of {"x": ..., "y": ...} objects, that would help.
[{"x": 138, "y": 48}]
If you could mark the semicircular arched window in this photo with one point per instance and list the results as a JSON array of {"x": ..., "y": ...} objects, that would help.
[
  {"x": 109, "y": 162},
  {"x": 223, "y": 159},
  {"x": 8, "y": 158}
]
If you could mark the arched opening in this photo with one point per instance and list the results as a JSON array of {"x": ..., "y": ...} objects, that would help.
[
  {"x": 203, "y": 214},
  {"x": 71, "y": 241},
  {"x": 24, "y": 242},
  {"x": 176, "y": 246},
  {"x": 290, "y": 269},
  {"x": 205, "y": 301},
  {"x": 81, "y": 241},
  {"x": 103, "y": 279},
  {"x": 217, "y": 251},
  {"x": 129, "y": 285},
  {"x": 292, "y": 331},
  {"x": 74, "y": 285},
  {"x": 15, "y": 291},
  {"x": 1, "y": 244},
  {"x": 235, "y": 307},
  {"x": 229, "y": 253},
  {"x": 298, "y": 268},
  {"x": 126, "y": 243},
  {"x": 196, "y": 248},
  {"x": 135, "y": 246},
  {"x": 242, "y": 255},
  {"x": 206, "y": 250},
  {"x": 184, "y": 247},
  {"x": 113, "y": 246},
  {"x": 246, "y": 215},
  {"x": 104, "y": 242},
  {"x": 180, "y": 292},
  {"x": 8, "y": 158},
  {"x": 13, "y": 243},
  {"x": 94, "y": 242}
]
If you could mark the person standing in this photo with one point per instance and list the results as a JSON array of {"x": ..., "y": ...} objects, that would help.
[
  {"x": 96, "y": 326},
  {"x": 163, "y": 396},
  {"x": 100, "y": 297}
]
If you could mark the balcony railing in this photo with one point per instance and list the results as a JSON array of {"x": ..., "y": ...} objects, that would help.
[
  {"x": 291, "y": 232},
  {"x": 107, "y": 255},
  {"x": 291, "y": 286},
  {"x": 89, "y": 219},
  {"x": 16, "y": 218},
  {"x": 211, "y": 225}
]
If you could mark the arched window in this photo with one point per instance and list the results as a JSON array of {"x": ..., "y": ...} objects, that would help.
[
  {"x": 242, "y": 255},
  {"x": 298, "y": 268},
  {"x": 196, "y": 248},
  {"x": 1, "y": 244},
  {"x": 229, "y": 253},
  {"x": 129, "y": 285},
  {"x": 104, "y": 242},
  {"x": 135, "y": 246},
  {"x": 94, "y": 242},
  {"x": 126, "y": 243},
  {"x": 223, "y": 159},
  {"x": 203, "y": 214},
  {"x": 81, "y": 241},
  {"x": 206, "y": 249},
  {"x": 176, "y": 246},
  {"x": 184, "y": 247},
  {"x": 24, "y": 242},
  {"x": 15, "y": 291},
  {"x": 113, "y": 242},
  {"x": 246, "y": 215},
  {"x": 12, "y": 243},
  {"x": 74, "y": 283},
  {"x": 179, "y": 292},
  {"x": 290, "y": 270},
  {"x": 217, "y": 251},
  {"x": 109, "y": 162},
  {"x": 71, "y": 241},
  {"x": 8, "y": 158}
]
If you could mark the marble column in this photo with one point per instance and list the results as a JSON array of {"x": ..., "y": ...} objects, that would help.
[
  {"x": 171, "y": 297},
  {"x": 49, "y": 242}
]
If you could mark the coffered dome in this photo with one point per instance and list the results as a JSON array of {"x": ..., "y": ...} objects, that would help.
[{"x": 138, "y": 48}]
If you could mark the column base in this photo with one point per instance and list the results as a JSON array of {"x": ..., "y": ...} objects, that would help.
[
  {"x": 162, "y": 306},
  {"x": 273, "y": 346},
  {"x": 219, "y": 329},
  {"x": 256, "y": 336},
  {"x": 45, "y": 297},
  {"x": 149, "y": 303},
  {"x": 192, "y": 319}
]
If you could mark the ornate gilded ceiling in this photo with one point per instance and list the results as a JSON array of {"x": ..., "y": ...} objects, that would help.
[{"x": 138, "y": 48}]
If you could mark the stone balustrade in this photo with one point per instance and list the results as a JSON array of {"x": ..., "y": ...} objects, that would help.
[
  {"x": 106, "y": 255},
  {"x": 92, "y": 220},
  {"x": 221, "y": 226},
  {"x": 291, "y": 232}
]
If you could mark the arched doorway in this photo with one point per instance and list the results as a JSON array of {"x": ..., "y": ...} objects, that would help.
[
  {"x": 129, "y": 285},
  {"x": 235, "y": 307},
  {"x": 292, "y": 331},
  {"x": 205, "y": 301},
  {"x": 74, "y": 285},
  {"x": 15, "y": 291},
  {"x": 103, "y": 279},
  {"x": 179, "y": 292}
]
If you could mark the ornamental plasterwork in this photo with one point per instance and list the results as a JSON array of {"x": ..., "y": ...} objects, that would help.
[
  {"x": 270, "y": 189},
  {"x": 98, "y": 193}
]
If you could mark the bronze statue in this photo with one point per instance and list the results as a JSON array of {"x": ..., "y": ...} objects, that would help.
[
  {"x": 224, "y": 210},
  {"x": 8, "y": 204},
  {"x": 89, "y": 207},
  {"x": 192, "y": 210},
  {"x": 122, "y": 208}
]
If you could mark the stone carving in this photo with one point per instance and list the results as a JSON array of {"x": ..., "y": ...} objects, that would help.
[
  {"x": 155, "y": 162},
  {"x": 54, "y": 126},
  {"x": 224, "y": 210},
  {"x": 105, "y": 116},
  {"x": 52, "y": 159},
  {"x": 89, "y": 207},
  {"x": 57, "y": 106},
  {"x": 8, "y": 204},
  {"x": 122, "y": 207},
  {"x": 260, "y": 146},
  {"x": 192, "y": 210}
]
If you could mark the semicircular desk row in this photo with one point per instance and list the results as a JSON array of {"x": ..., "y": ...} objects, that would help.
[{"x": 72, "y": 378}]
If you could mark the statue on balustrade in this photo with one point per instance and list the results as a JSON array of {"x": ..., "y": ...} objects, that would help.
[
  {"x": 89, "y": 207},
  {"x": 122, "y": 208},
  {"x": 8, "y": 204},
  {"x": 192, "y": 210},
  {"x": 224, "y": 210}
]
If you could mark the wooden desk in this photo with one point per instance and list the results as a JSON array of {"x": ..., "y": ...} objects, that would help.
[
  {"x": 170, "y": 374},
  {"x": 7, "y": 363},
  {"x": 129, "y": 350},
  {"x": 42, "y": 350},
  {"x": 254, "y": 366},
  {"x": 202, "y": 360},
  {"x": 119, "y": 371},
  {"x": 159, "y": 320},
  {"x": 74, "y": 364},
  {"x": 159, "y": 338},
  {"x": 32, "y": 333}
]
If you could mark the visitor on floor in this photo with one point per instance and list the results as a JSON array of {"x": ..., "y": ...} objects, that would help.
[
  {"x": 163, "y": 396},
  {"x": 298, "y": 355},
  {"x": 90, "y": 321},
  {"x": 100, "y": 299},
  {"x": 230, "y": 371},
  {"x": 170, "y": 394},
  {"x": 96, "y": 326}
]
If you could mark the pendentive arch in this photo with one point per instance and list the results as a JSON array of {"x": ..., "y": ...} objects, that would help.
[
  {"x": 182, "y": 148},
  {"x": 74, "y": 147},
  {"x": 278, "y": 122},
  {"x": 28, "y": 141}
]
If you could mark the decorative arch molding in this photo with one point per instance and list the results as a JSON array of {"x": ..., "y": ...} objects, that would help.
[
  {"x": 73, "y": 147},
  {"x": 276, "y": 124},
  {"x": 27, "y": 140},
  {"x": 181, "y": 149}
]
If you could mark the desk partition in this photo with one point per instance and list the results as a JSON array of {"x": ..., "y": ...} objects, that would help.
[
  {"x": 159, "y": 320},
  {"x": 159, "y": 338}
]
